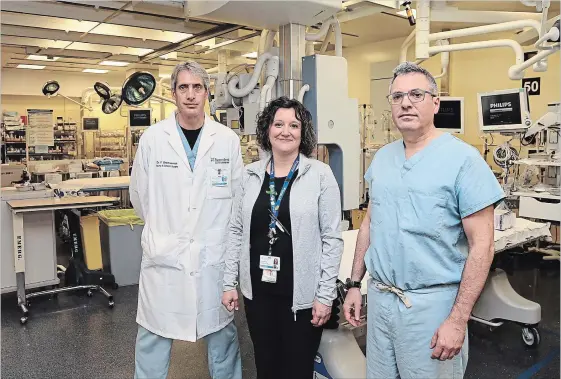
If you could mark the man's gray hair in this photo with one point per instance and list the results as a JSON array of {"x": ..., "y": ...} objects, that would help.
[
  {"x": 411, "y": 68},
  {"x": 195, "y": 69}
]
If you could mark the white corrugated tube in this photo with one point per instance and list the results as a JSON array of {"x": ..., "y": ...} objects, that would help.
[{"x": 241, "y": 92}]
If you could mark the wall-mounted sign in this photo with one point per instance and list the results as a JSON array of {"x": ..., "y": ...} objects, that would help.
[
  {"x": 532, "y": 85},
  {"x": 40, "y": 127}
]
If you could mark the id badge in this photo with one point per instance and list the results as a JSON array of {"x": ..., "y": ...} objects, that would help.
[
  {"x": 268, "y": 262},
  {"x": 219, "y": 178},
  {"x": 269, "y": 276}
]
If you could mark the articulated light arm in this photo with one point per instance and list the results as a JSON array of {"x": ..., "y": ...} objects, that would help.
[
  {"x": 77, "y": 102},
  {"x": 517, "y": 71},
  {"x": 546, "y": 121}
]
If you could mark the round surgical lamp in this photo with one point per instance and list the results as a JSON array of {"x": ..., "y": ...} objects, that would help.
[
  {"x": 111, "y": 104},
  {"x": 138, "y": 88},
  {"x": 103, "y": 90},
  {"x": 52, "y": 87}
]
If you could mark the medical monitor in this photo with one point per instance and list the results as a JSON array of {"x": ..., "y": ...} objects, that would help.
[
  {"x": 450, "y": 116},
  {"x": 504, "y": 111},
  {"x": 140, "y": 118}
]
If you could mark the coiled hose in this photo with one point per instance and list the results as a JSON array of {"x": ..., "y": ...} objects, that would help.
[{"x": 504, "y": 155}]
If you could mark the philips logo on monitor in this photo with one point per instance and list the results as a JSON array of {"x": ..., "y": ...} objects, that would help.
[{"x": 501, "y": 105}]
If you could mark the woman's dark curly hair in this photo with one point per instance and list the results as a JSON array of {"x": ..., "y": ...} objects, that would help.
[{"x": 266, "y": 118}]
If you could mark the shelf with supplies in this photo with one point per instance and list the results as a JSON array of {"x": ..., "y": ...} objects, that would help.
[
  {"x": 13, "y": 137},
  {"x": 20, "y": 141},
  {"x": 110, "y": 143}
]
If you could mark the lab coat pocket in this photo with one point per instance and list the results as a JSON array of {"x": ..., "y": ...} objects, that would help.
[
  {"x": 422, "y": 214},
  {"x": 214, "y": 247},
  {"x": 161, "y": 250},
  {"x": 219, "y": 185}
]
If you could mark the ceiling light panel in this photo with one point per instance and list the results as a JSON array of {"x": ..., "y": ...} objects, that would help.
[
  {"x": 95, "y": 71},
  {"x": 250, "y": 55},
  {"x": 114, "y": 63},
  {"x": 30, "y": 66},
  {"x": 115, "y": 50},
  {"x": 42, "y": 58},
  {"x": 134, "y": 32}
]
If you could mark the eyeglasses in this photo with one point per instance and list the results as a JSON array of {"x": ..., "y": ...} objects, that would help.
[
  {"x": 415, "y": 96},
  {"x": 184, "y": 88}
]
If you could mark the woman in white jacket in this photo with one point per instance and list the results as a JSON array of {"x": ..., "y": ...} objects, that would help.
[{"x": 285, "y": 244}]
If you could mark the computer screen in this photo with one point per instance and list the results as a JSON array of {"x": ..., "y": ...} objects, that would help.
[
  {"x": 90, "y": 123},
  {"x": 140, "y": 118},
  {"x": 450, "y": 116},
  {"x": 505, "y": 110}
]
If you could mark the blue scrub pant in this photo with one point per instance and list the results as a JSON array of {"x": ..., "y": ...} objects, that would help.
[
  {"x": 398, "y": 338},
  {"x": 153, "y": 354}
]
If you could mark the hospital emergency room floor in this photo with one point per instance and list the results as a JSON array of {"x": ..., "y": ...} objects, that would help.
[{"x": 78, "y": 337}]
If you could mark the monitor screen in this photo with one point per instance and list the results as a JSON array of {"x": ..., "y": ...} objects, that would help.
[
  {"x": 450, "y": 116},
  {"x": 504, "y": 110},
  {"x": 90, "y": 123},
  {"x": 140, "y": 117}
]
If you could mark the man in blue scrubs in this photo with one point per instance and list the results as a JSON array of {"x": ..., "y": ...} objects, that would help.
[{"x": 427, "y": 240}]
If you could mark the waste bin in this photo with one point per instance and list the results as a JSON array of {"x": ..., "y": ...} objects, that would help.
[{"x": 120, "y": 231}]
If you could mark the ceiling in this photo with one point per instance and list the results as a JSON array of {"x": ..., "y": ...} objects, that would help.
[{"x": 72, "y": 36}]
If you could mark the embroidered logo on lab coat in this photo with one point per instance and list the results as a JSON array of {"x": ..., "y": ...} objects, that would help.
[
  {"x": 220, "y": 160},
  {"x": 166, "y": 164}
]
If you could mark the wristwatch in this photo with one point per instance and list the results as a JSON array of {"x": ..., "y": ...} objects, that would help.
[{"x": 352, "y": 284}]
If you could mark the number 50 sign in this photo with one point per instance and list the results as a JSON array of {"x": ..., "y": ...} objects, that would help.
[{"x": 532, "y": 85}]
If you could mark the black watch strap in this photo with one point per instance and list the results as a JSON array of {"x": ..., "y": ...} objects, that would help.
[{"x": 352, "y": 284}]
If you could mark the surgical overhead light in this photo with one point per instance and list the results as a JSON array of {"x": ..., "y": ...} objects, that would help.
[
  {"x": 111, "y": 101},
  {"x": 111, "y": 104},
  {"x": 103, "y": 90},
  {"x": 52, "y": 87},
  {"x": 138, "y": 88}
]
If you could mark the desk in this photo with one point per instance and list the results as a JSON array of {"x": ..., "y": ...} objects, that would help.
[
  {"x": 18, "y": 208},
  {"x": 100, "y": 186}
]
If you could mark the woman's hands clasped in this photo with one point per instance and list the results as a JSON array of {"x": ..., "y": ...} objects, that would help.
[{"x": 230, "y": 300}]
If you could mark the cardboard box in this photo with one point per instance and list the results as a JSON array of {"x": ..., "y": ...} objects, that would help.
[
  {"x": 357, "y": 217},
  {"x": 10, "y": 173}
]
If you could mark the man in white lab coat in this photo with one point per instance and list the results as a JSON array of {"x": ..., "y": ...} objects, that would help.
[{"x": 184, "y": 177}]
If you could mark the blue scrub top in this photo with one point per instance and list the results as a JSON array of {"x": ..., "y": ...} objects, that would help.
[
  {"x": 191, "y": 153},
  {"x": 417, "y": 205}
]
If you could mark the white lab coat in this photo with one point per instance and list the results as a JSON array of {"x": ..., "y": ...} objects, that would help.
[{"x": 186, "y": 221}]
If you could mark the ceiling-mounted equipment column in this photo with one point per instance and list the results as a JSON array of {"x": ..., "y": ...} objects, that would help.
[
  {"x": 292, "y": 39},
  {"x": 223, "y": 60}
]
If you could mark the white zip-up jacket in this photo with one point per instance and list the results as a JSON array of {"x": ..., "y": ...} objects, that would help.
[{"x": 315, "y": 218}]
